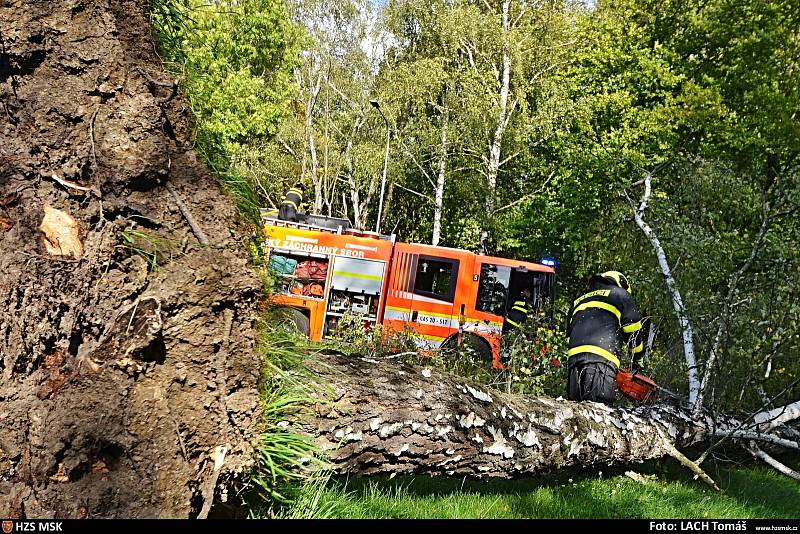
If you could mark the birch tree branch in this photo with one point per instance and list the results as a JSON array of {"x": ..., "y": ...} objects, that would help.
[
  {"x": 769, "y": 460},
  {"x": 672, "y": 287},
  {"x": 769, "y": 419},
  {"x": 529, "y": 195},
  {"x": 404, "y": 188}
]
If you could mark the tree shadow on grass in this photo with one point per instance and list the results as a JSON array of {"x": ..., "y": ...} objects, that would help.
[
  {"x": 670, "y": 492},
  {"x": 763, "y": 489}
]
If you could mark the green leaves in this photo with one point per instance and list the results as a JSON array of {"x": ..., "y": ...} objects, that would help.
[{"x": 235, "y": 59}]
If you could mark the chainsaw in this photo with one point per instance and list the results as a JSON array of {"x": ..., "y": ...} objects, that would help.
[{"x": 640, "y": 388}]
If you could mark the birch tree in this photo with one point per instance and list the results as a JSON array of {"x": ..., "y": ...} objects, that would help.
[{"x": 492, "y": 61}]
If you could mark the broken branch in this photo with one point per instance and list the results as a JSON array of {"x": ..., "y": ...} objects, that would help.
[{"x": 198, "y": 232}]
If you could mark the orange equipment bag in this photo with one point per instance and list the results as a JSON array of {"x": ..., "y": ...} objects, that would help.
[
  {"x": 313, "y": 290},
  {"x": 315, "y": 270},
  {"x": 635, "y": 386}
]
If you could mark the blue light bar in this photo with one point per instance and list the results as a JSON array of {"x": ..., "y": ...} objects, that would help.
[{"x": 550, "y": 262}]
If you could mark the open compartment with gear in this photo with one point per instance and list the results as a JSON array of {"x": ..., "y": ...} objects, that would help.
[
  {"x": 299, "y": 273},
  {"x": 355, "y": 289}
]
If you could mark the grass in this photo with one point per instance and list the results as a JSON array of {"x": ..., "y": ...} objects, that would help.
[
  {"x": 290, "y": 471},
  {"x": 752, "y": 492}
]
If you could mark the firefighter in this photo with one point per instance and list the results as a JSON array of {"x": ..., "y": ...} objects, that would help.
[
  {"x": 600, "y": 323},
  {"x": 515, "y": 318},
  {"x": 518, "y": 313},
  {"x": 290, "y": 205}
]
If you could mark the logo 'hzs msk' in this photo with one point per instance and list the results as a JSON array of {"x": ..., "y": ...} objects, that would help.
[{"x": 31, "y": 526}]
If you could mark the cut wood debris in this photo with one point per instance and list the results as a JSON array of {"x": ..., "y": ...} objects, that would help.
[{"x": 60, "y": 233}]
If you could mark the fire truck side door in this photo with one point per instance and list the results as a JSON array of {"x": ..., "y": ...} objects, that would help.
[{"x": 433, "y": 296}]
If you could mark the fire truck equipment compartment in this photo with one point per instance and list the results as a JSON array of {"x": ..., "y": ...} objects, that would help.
[{"x": 357, "y": 276}]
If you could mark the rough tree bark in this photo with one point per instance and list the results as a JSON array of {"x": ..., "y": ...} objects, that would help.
[
  {"x": 384, "y": 417},
  {"x": 117, "y": 382}
]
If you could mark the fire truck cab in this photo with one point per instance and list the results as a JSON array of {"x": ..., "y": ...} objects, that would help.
[{"x": 323, "y": 269}]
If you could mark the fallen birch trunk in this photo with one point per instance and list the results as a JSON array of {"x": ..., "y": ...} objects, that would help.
[{"x": 385, "y": 417}]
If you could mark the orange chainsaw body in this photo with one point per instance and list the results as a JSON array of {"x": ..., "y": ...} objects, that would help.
[{"x": 635, "y": 386}]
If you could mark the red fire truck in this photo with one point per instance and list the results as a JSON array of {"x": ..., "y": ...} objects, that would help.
[{"x": 444, "y": 296}]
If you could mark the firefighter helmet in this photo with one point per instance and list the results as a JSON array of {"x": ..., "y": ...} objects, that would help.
[{"x": 618, "y": 279}]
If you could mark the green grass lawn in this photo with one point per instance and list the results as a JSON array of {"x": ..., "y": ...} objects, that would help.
[{"x": 752, "y": 492}]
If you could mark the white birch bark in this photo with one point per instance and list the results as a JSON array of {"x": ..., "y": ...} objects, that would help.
[
  {"x": 355, "y": 199},
  {"x": 770, "y": 419},
  {"x": 393, "y": 418},
  {"x": 495, "y": 149},
  {"x": 677, "y": 302},
  {"x": 769, "y": 460},
  {"x": 439, "y": 193}
]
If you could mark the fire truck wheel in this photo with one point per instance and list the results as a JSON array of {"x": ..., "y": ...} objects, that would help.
[
  {"x": 471, "y": 344},
  {"x": 299, "y": 319}
]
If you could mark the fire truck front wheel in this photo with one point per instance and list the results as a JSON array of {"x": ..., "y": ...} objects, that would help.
[{"x": 471, "y": 344}]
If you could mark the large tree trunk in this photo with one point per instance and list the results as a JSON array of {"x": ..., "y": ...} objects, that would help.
[
  {"x": 382, "y": 417},
  {"x": 119, "y": 375}
]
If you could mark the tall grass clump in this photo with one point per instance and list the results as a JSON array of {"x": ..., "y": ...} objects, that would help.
[{"x": 290, "y": 469}]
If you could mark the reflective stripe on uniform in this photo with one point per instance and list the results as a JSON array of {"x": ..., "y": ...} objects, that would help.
[
  {"x": 592, "y": 349},
  {"x": 287, "y": 201},
  {"x": 602, "y": 305},
  {"x": 296, "y": 192},
  {"x": 632, "y": 327},
  {"x": 513, "y": 322},
  {"x": 638, "y": 348},
  {"x": 600, "y": 292},
  {"x": 520, "y": 306}
]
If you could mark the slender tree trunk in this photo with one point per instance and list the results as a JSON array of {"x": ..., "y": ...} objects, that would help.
[
  {"x": 329, "y": 195},
  {"x": 355, "y": 200},
  {"x": 732, "y": 289},
  {"x": 298, "y": 76},
  {"x": 439, "y": 194},
  {"x": 672, "y": 287},
  {"x": 315, "y": 180},
  {"x": 495, "y": 148},
  {"x": 371, "y": 190}
]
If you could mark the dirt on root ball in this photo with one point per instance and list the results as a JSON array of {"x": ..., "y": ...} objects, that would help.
[{"x": 126, "y": 346}]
